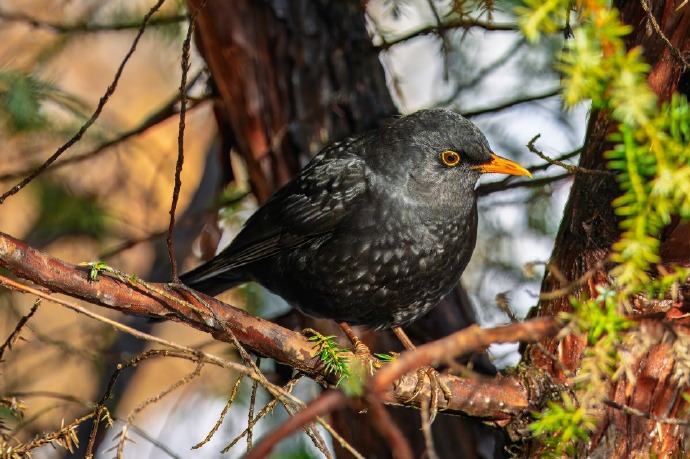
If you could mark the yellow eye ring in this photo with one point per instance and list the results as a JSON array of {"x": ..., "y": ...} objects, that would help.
[{"x": 450, "y": 158}]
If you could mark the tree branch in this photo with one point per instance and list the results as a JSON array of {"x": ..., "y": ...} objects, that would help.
[
  {"x": 503, "y": 185},
  {"x": 507, "y": 398},
  {"x": 512, "y": 103},
  {"x": 87, "y": 27},
  {"x": 462, "y": 22},
  {"x": 466, "y": 341}
]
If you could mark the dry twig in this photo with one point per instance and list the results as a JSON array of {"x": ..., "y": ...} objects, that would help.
[
  {"x": 14, "y": 336},
  {"x": 99, "y": 108}
]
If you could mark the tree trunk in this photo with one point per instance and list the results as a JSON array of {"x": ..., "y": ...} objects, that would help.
[
  {"x": 588, "y": 230},
  {"x": 293, "y": 77}
]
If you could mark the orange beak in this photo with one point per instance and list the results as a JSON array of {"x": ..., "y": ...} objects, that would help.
[{"x": 503, "y": 166}]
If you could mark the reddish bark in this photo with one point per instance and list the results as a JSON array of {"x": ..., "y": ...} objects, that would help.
[
  {"x": 588, "y": 229},
  {"x": 292, "y": 76},
  {"x": 507, "y": 396}
]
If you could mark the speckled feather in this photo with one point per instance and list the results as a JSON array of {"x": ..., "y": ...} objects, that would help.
[{"x": 373, "y": 231}]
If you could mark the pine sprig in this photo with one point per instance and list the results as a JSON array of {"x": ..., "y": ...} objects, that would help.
[
  {"x": 328, "y": 351},
  {"x": 651, "y": 159},
  {"x": 561, "y": 426},
  {"x": 599, "y": 317},
  {"x": 386, "y": 358},
  {"x": 654, "y": 165},
  {"x": 98, "y": 267},
  {"x": 23, "y": 97}
]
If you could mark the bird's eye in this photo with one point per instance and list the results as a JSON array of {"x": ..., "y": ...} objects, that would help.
[{"x": 450, "y": 158}]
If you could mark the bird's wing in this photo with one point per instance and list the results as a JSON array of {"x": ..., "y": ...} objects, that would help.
[{"x": 310, "y": 206}]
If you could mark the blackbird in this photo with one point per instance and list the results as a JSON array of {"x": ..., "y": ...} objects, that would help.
[{"x": 374, "y": 230}]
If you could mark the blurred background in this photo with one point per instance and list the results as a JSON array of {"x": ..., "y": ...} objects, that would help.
[{"x": 107, "y": 198}]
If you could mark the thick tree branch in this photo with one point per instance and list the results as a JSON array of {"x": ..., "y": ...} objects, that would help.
[
  {"x": 500, "y": 399},
  {"x": 260, "y": 335}
]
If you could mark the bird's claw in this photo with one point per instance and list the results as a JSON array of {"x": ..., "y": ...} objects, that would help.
[
  {"x": 435, "y": 383},
  {"x": 309, "y": 332},
  {"x": 365, "y": 356}
]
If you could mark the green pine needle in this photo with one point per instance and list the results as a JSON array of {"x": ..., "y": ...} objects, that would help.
[
  {"x": 386, "y": 358},
  {"x": 328, "y": 351}
]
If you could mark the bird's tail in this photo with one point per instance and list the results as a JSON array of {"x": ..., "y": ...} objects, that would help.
[{"x": 213, "y": 278}]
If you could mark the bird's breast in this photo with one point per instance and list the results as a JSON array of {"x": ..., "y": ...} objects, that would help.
[
  {"x": 384, "y": 253},
  {"x": 384, "y": 268}
]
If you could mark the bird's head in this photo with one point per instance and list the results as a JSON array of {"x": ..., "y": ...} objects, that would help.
[{"x": 437, "y": 150}]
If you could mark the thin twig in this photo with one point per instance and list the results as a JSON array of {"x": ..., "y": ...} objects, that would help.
[
  {"x": 486, "y": 189},
  {"x": 154, "y": 119},
  {"x": 220, "y": 419},
  {"x": 186, "y": 45},
  {"x": 426, "y": 429},
  {"x": 18, "y": 328},
  {"x": 677, "y": 55},
  {"x": 643, "y": 414},
  {"x": 463, "y": 22},
  {"x": 570, "y": 286},
  {"x": 99, "y": 108},
  {"x": 568, "y": 167},
  {"x": 152, "y": 440},
  {"x": 324, "y": 404},
  {"x": 512, "y": 103},
  {"x": 561, "y": 158},
  {"x": 250, "y": 414},
  {"x": 85, "y": 27},
  {"x": 65, "y": 437}
]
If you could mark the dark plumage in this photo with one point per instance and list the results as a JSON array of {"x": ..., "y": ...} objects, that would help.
[{"x": 374, "y": 230}]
